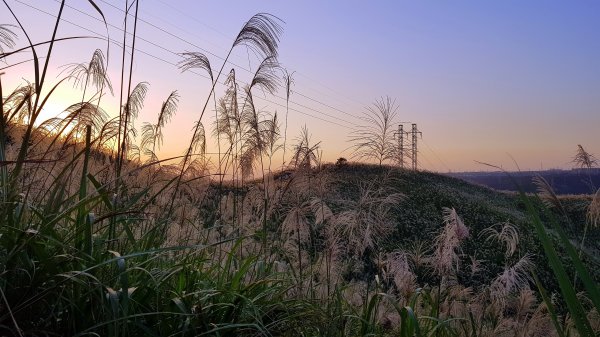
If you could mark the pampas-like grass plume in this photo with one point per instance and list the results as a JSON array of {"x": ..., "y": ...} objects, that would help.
[
  {"x": 265, "y": 77},
  {"x": 507, "y": 235},
  {"x": 398, "y": 270},
  {"x": 366, "y": 221},
  {"x": 546, "y": 193},
  {"x": 305, "y": 153},
  {"x": 7, "y": 37},
  {"x": 152, "y": 136},
  {"x": 584, "y": 159},
  {"x": 261, "y": 34},
  {"x": 17, "y": 106},
  {"x": 195, "y": 60},
  {"x": 593, "y": 210},
  {"x": 376, "y": 139},
  {"x": 445, "y": 258},
  {"x": 513, "y": 278},
  {"x": 135, "y": 103},
  {"x": 93, "y": 73}
]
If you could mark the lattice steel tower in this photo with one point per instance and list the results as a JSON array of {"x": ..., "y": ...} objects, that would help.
[
  {"x": 414, "y": 132},
  {"x": 401, "y": 145}
]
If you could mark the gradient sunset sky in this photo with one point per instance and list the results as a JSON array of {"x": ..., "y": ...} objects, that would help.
[{"x": 486, "y": 81}]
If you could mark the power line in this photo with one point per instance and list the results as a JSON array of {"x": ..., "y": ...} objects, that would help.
[
  {"x": 172, "y": 35},
  {"x": 428, "y": 162},
  {"x": 193, "y": 18},
  {"x": 436, "y": 155},
  {"x": 221, "y": 58},
  {"x": 224, "y": 35},
  {"x": 196, "y": 73},
  {"x": 178, "y": 55}
]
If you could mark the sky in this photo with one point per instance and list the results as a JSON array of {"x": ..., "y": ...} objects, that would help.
[{"x": 503, "y": 82}]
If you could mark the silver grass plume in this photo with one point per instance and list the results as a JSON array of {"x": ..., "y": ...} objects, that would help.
[
  {"x": 85, "y": 113},
  {"x": 295, "y": 225},
  {"x": 272, "y": 133},
  {"x": 376, "y": 139},
  {"x": 321, "y": 211},
  {"x": 507, "y": 235},
  {"x": 7, "y": 37},
  {"x": 229, "y": 120},
  {"x": 593, "y": 211},
  {"x": 265, "y": 77},
  {"x": 445, "y": 258},
  {"x": 198, "y": 144},
  {"x": 260, "y": 34},
  {"x": 195, "y": 60},
  {"x": 584, "y": 159},
  {"x": 547, "y": 194},
  {"x": 152, "y": 135},
  {"x": 135, "y": 103},
  {"x": 17, "y": 105},
  {"x": 418, "y": 253},
  {"x": 108, "y": 133},
  {"x": 93, "y": 73},
  {"x": 398, "y": 270},
  {"x": 224, "y": 125},
  {"x": 365, "y": 221},
  {"x": 305, "y": 153},
  {"x": 255, "y": 141},
  {"x": 513, "y": 278}
]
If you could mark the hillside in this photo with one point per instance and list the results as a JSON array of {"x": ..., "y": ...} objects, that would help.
[{"x": 419, "y": 218}]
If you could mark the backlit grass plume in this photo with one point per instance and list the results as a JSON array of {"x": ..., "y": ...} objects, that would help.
[
  {"x": 445, "y": 256},
  {"x": 547, "y": 194},
  {"x": 92, "y": 73},
  {"x": 513, "y": 278},
  {"x": 261, "y": 34},
  {"x": 593, "y": 210},
  {"x": 507, "y": 235},
  {"x": 7, "y": 37},
  {"x": 375, "y": 140},
  {"x": 584, "y": 159},
  {"x": 366, "y": 221},
  {"x": 152, "y": 136}
]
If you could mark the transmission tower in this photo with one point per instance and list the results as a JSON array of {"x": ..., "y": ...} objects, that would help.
[
  {"x": 401, "y": 145},
  {"x": 414, "y": 132},
  {"x": 403, "y": 150}
]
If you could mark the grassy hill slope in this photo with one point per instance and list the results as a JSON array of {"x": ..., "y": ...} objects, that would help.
[{"x": 419, "y": 218}]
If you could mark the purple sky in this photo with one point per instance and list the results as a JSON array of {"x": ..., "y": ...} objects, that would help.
[{"x": 485, "y": 81}]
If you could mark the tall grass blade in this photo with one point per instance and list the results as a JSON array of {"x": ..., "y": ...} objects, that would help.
[
  {"x": 550, "y": 306},
  {"x": 80, "y": 225},
  {"x": 569, "y": 294}
]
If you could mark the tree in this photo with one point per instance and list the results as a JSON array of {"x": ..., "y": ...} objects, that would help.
[{"x": 375, "y": 140}]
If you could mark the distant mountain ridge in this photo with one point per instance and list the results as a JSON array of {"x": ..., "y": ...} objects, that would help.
[{"x": 575, "y": 181}]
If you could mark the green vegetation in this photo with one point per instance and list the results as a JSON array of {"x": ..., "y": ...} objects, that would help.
[{"x": 95, "y": 241}]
